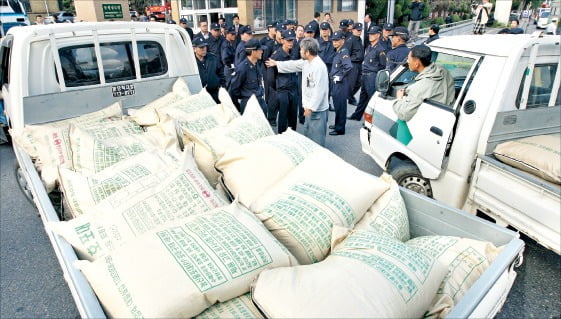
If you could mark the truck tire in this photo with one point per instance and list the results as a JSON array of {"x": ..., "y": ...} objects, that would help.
[
  {"x": 407, "y": 175},
  {"x": 22, "y": 183}
]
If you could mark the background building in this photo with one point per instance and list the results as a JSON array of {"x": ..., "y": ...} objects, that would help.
[{"x": 258, "y": 13}]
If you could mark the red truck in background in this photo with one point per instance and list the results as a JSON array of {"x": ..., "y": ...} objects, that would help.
[{"x": 159, "y": 11}]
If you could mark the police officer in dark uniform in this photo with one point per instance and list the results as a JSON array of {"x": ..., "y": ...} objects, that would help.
[
  {"x": 215, "y": 40},
  {"x": 245, "y": 34},
  {"x": 344, "y": 27},
  {"x": 340, "y": 70},
  {"x": 272, "y": 102},
  {"x": 227, "y": 54},
  {"x": 354, "y": 45},
  {"x": 269, "y": 42},
  {"x": 398, "y": 54},
  {"x": 247, "y": 78},
  {"x": 315, "y": 24},
  {"x": 184, "y": 25},
  {"x": 285, "y": 83},
  {"x": 210, "y": 68},
  {"x": 386, "y": 32},
  {"x": 374, "y": 61},
  {"x": 326, "y": 51}
]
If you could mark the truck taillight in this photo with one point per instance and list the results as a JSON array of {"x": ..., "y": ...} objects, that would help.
[{"x": 368, "y": 117}]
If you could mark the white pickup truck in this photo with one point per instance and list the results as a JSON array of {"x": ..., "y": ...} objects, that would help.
[
  {"x": 137, "y": 62},
  {"x": 507, "y": 88}
]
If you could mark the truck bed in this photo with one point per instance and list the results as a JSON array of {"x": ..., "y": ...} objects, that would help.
[
  {"x": 427, "y": 217},
  {"x": 539, "y": 219}
]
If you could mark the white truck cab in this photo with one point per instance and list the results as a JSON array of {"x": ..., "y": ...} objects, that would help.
[
  {"x": 507, "y": 87},
  {"x": 101, "y": 63}
]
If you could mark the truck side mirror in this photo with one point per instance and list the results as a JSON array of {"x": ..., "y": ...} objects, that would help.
[{"x": 383, "y": 81}]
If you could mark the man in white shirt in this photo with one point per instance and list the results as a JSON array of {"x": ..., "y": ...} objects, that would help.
[{"x": 315, "y": 87}]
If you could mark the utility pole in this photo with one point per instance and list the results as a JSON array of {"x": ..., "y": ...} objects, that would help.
[
  {"x": 391, "y": 10},
  {"x": 47, "y": 8}
]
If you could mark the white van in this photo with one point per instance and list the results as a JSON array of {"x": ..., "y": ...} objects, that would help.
[
  {"x": 543, "y": 18},
  {"x": 12, "y": 13}
]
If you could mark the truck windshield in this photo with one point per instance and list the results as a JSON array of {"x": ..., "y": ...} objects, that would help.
[{"x": 80, "y": 63}]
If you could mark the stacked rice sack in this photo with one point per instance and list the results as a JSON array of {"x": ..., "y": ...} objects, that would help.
[
  {"x": 149, "y": 197},
  {"x": 350, "y": 233}
]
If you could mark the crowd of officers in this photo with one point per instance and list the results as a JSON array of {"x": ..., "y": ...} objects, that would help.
[{"x": 228, "y": 56}]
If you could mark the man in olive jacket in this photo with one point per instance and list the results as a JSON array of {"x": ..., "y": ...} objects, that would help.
[{"x": 433, "y": 82}]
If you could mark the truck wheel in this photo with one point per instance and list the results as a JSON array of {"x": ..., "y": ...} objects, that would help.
[
  {"x": 22, "y": 183},
  {"x": 408, "y": 176}
]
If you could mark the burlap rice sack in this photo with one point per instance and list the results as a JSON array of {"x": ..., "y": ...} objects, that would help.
[
  {"x": 91, "y": 155},
  {"x": 367, "y": 276},
  {"x": 147, "y": 115},
  {"x": 251, "y": 169},
  {"x": 83, "y": 192},
  {"x": 322, "y": 192},
  {"x": 55, "y": 149},
  {"x": 240, "y": 307},
  {"x": 29, "y": 137},
  {"x": 539, "y": 155},
  {"x": 388, "y": 214},
  {"x": 138, "y": 208},
  {"x": 182, "y": 268},
  {"x": 209, "y": 146},
  {"x": 467, "y": 260}
]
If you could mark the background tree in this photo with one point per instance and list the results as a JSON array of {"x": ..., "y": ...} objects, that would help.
[{"x": 68, "y": 6}]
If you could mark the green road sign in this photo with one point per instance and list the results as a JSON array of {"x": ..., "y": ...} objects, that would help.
[{"x": 112, "y": 11}]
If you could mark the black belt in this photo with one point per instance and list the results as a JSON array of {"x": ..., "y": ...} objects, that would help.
[{"x": 368, "y": 73}]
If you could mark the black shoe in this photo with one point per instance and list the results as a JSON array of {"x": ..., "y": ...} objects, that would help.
[
  {"x": 333, "y": 133},
  {"x": 302, "y": 121},
  {"x": 331, "y": 108},
  {"x": 352, "y": 101},
  {"x": 273, "y": 123},
  {"x": 331, "y": 127},
  {"x": 352, "y": 118}
]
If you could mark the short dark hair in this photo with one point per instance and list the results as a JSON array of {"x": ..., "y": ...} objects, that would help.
[
  {"x": 317, "y": 14},
  {"x": 517, "y": 22},
  {"x": 235, "y": 16},
  {"x": 423, "y": 53},
  {"x": 368, "y": 15},
  {"x": 435, "y": 28}
]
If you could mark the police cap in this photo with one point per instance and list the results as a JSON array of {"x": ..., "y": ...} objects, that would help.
[
  {"x": 337, "y": 35},
  {"x": 232, "y": 30},
  {"x": 200, "y": 42},
  {"x": 374, "y": 29},
  {"x": 246, "y": 29},
  {"x": 253, "y": 44},
  {"x": 400, "y": 31},
  {"x": 288, "y": 35}
]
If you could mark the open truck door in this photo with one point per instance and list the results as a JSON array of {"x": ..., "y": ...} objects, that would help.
[{"x": 424, "y": 140}]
